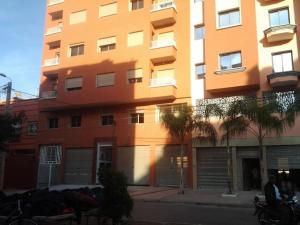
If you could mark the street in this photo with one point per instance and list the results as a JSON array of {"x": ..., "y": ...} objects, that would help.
[{"x": 175, "y": 213}]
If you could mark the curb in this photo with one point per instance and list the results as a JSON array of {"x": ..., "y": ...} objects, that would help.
[
  {"x": 151, "y": 192},
  {"x": 245, "y": 206}
]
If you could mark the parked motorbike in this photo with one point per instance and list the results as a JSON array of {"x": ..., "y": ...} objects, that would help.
[{"x": 267, "y": 216}]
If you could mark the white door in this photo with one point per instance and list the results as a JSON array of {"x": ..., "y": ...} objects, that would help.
[{"x": 104, "y": 157}]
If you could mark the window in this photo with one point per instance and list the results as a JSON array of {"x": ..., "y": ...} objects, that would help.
[
  {"x": 229, "y": 18},
  {"x": 135, "y": 76},
  {"x": 279, "y": 17},
  {"x": 104, "y": 80},
  {"x": 199, "y": 32},
  {"x": 56, "y": 15},
  {"x": 108, "y": 10},
  {"x": 106, "y": 44},
  {"x": 200, "y": 70},
  {"x": 53, "y": 123},
  {"x": 282, "y": 62},
  {"x": 32, "y": 128},
  {"x": 230, "y": 61},
  {"x": 168, "y": 109},
  {"x": 135, "y": 39},
  {"x": 50, "y": 154},
  {"x": 136, "y": 4},
  {"x": 75, "y": 121},
  {"x": 73, "y": 84},
  {"x": 107, "y": 120},
  {"x": 78, "y": 17},
  {"x": 136, "y": 117},
  {"x": 76, "y": 50}
]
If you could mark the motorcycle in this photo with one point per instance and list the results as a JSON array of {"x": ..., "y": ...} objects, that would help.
[{"x": 267, "y": 216}]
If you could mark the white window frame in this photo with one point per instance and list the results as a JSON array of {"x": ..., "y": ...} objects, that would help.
[{"x": 283, "y": 65}]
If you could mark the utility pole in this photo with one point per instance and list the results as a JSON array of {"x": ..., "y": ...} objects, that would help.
[{"x": 8, "y": 92}]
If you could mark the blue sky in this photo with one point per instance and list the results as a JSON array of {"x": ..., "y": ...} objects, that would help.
[{"x": 21, "y": 36}]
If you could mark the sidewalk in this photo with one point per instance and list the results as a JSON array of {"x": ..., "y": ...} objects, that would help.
[{"x": 200, "y": 197}]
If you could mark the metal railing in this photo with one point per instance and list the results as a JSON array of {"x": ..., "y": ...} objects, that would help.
[
  {"x": 163, "y": 5},
  {"x": 54, "y": 2},
  {"x": 54, "y": 30},
  {"x": 48, "y": 94},
  {"x": 163, "y": 81},
  {"x": 163, "y": 43},
  {"x": 52, "y": 62}
]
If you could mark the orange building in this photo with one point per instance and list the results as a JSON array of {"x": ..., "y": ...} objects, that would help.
[{"x": 111, "y": 67}]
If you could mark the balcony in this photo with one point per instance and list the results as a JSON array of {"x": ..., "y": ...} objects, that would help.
[
  {"x": 282, "y": 79},
  {"x": 51, "y": 62},
  {"x": 163, "y": 51},
  {"x": 48, "y": 94},
  {"x": 163, "y": 88},
  {"x": 163, "y": 14},
  {"x": 54, "y": 30},
  {"x": 54, "y": 2},
  {"x": 164, "y": 81},
  {"x": 280, "y": 33}
]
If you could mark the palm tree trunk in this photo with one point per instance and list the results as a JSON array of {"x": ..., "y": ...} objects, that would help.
[
  {"x": 181, "y": 169},
  {"x": 262, "y": 166},
  {"x": 229, "y": 167}
]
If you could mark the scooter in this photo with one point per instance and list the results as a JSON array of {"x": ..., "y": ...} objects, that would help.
[{"x": 267, "y": 216}]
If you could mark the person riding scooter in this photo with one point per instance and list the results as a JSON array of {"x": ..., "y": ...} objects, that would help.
[{"x": 275, "y": 201}]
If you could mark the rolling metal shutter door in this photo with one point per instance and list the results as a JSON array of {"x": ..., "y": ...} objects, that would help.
[
  {"x": 278, "y": 156},
  {"x": 167, "y": 169},
  {"x": 78, "y": 166},
  {"x": 134, "y": 162},
  {"x": 212, "y": 168}
]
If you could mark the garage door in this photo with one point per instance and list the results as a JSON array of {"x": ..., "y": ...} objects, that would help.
[
  {"x": 283, "y": 157},
  {"x": 211, "y": 168},
  {"x": 78, "y": 166},
  {"x": 168, "y": 165},
  {"x": 134, "y": 162}
]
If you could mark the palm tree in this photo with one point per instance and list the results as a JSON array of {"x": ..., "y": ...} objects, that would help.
[
  {"x": 261, "y": 119},
  {"x": 231, "y": 126},
  {"x": 183, "y": 123}
]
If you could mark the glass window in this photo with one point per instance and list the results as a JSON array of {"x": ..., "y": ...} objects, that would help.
[
  {"x": 282, "y": 62},
  {"x": 136, "y": 117},
  {"x": 230, "y": 61},
  {"x": 107, "y": 120},
  {"x": 199, "y": 32},
  {"x": 76, "y": 121},
  {"x": 200, "y": 70},
  {"x": 32, "y": 128},
  {"x": 76, "y": 50},
  {"x": 53, "y": 123},
  {"x": 137, "y": 4},
  {"x": 229, "y": 18},
  {"x": 279, "y": 17}
]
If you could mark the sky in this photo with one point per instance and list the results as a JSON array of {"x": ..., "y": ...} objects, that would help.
[{"x": 21, "y": 41}]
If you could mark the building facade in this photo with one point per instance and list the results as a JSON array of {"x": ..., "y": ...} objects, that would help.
[{"x": 111, "y": 68}]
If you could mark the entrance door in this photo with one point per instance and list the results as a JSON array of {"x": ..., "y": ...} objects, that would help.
[
  {"x": 251, "y": 174},
  {"x": 104, "y": 158}
]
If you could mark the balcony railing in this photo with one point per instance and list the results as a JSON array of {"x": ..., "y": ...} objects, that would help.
[
  {"x": 165, "y": 81},
  {"x": 54, "y": 2},
  {"x": 164, "y": 5},
  {"x": 162, "y": 43},
  {"x": 48, "y": 94},
  {"x": 51, "y": 62},
  {"x": 54, "y": 30}
]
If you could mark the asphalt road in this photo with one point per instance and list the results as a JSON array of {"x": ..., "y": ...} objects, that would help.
[{"x": 173, "y": 213}]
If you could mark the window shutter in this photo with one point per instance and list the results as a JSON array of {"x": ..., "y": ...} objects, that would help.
[
  {"x": 287, "y": 61},
  {"x": 106, "y": 41},
  {"x": 277, "y": 63},
  {"x": 137, "y": 73},
  {"x": 165, "y": 73},
  {"x": 136, "y": 38},
  {"x": 166, "y": 36},
  {"x": 107, "y": 10},
  {"x": 78, "y": 17},
  {"x": 74, "y": 83},
  {"x": 105, "y": 79}
]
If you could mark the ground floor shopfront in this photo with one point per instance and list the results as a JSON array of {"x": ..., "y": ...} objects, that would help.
[
  {"x": 154, "y": 165},
  {"x": 211, "y": 164}
]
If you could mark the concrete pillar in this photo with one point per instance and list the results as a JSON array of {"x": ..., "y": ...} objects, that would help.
[
  {"x": 194, "y": 164},
  {"x": 234, "y": 169}
]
